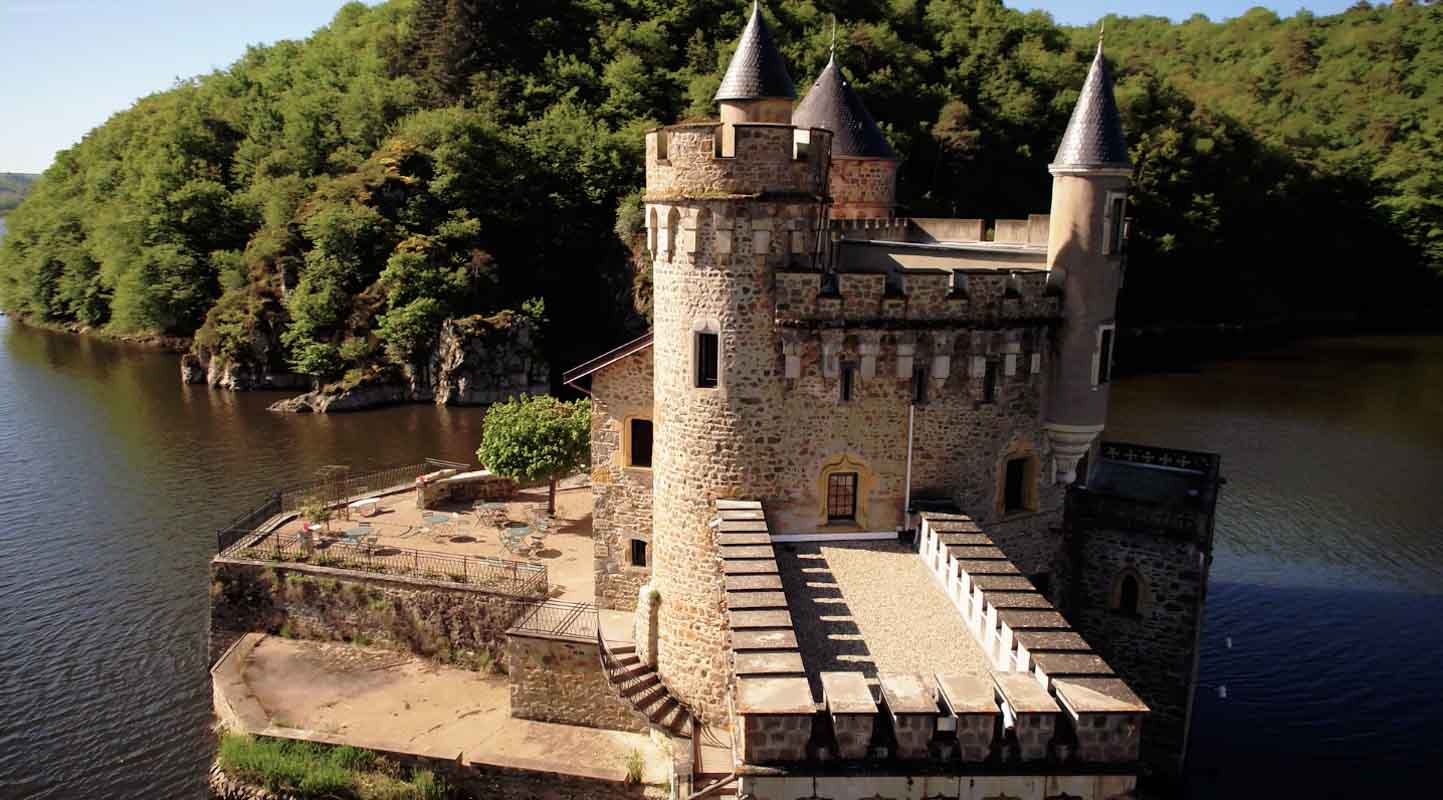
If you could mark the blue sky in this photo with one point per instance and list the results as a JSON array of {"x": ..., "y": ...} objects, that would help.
[{"x": 70, "y": 64}]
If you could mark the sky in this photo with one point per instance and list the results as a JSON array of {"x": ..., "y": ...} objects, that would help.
[{"x": 70, "y": 64}]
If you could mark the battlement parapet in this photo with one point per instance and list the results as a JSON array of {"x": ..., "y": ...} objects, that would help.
[
  {"x": 1045, "y": 672},
  {"x": 712, "y": 160},
  {"x": 809, "y": 298}
]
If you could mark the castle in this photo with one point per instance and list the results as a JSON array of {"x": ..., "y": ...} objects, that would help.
[{"x": 835, "y": 400}]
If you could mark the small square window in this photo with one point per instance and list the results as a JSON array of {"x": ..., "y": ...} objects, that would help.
[
  {"x": 640, "y": 455},
  {"x": 707, "y": 347},
  {"x": 638, "y": 552},
  {"x": 849, "y": 377}
]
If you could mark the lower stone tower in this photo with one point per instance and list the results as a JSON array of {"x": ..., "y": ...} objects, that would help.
[{"x": 720, "y": 223}]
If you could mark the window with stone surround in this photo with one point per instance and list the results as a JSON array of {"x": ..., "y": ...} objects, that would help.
[
  {"x": 1019, "y": 485},
  {"x": 842, "y": 497},
  {"x": 708, "y": 347},
  {"x": 638, "y": 443},
  {"x": 638, "y": 552},
  {"x": 1130, "y": 595}
]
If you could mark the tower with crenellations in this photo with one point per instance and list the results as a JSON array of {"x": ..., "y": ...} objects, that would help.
[{"x": 727, "y": 205}]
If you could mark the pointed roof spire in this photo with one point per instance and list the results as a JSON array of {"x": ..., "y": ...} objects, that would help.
[
  {"x": 1094, "y": 137},
  {"x": 831, "y": 103},
  {"x": 756, "y": 69}
]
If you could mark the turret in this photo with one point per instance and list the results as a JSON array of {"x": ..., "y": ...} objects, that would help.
[
  {"x": 863, "y": 182},
  {"x": 1086, "y": 237},
  {"x": 728, "y": 205},
  {"x": 756, "y": 87}
]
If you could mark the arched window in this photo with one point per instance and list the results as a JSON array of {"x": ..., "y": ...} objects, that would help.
[
  {"x": 1129, "y": 593},
  {"x": 673, "y": 230},
  {"x": 651, "y": 232}
]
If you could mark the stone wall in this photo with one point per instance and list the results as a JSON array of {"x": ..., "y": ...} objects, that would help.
[
  {"x": 1155, "y": 649},
  {"x": 991, "y": 297},
  {"x": 622, "y": 494},
  {"x": 685, "y": 161},
  {"x": 560, "y": 680},
  {"x": 863, "y": 188},
  {"x": 448, "y": 622}
]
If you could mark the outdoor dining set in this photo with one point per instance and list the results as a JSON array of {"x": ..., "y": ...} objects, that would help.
[{"x": 521, "y": 538}]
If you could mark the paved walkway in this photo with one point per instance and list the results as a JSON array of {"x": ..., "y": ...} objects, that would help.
[
  {"x": 870, "y": 607},
  {"x": 384, "y": 700}
]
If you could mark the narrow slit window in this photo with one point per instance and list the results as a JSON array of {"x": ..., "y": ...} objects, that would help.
[
  {"x": 1117, "y": 233},
  {"x": 640, "y": 443},
  {"x": 706, "y": 360},
  {"x": 638, "y": 552},
  {"x": 1104, "y": 355},
  {"x": 848, "y": 378},
  {"x": 989, "y": 382},
  {"x": 842, "y": 497},
  {"x": 919, "y": 386},
  {"x": 1128, "y": 595}
]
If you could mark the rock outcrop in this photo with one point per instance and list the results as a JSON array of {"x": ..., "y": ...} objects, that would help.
[
  {"x": 476, "y": 360},
  {"x": 256, "y": 363}
]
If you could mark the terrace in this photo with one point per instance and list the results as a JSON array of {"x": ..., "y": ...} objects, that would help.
[{"x": 510, "y": 545}]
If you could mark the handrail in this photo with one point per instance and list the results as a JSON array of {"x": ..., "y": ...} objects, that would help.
[
  {"x": 715, "y": 787},
  {"x": 613, "y": 667}
]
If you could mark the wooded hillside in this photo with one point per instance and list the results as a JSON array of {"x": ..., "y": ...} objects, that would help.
[{"x": 431, "y": 158}]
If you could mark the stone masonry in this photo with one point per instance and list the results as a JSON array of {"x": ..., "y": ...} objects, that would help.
[
  {"x": 622, "y": 510},
  {"x": 555, "y": 679}
]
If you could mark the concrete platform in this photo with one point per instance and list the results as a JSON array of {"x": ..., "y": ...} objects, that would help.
[{"x": 385, "y": 700}]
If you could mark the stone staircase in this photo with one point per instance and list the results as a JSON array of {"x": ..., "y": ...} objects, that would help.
[{"x": 641, "y": 688}]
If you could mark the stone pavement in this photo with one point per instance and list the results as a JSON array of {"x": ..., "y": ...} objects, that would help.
[{"x": 385, "y": 700}]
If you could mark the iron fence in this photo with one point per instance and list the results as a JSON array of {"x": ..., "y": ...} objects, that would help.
[
  {"x": 557, "y": 618},
  {"x": 499, "y": 574},
  {"x": 367, "y": 483},
  {"x": 248, "y": 522}
]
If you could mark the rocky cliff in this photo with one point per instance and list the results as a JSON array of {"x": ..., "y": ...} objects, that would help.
[{"x": 475, "y": 360}]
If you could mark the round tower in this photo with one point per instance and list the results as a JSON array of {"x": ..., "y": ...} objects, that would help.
[
  {"x": 863, "y": 182},
  {"x": 1086, "y": 238},
  {"x": 726, "y": 205}
]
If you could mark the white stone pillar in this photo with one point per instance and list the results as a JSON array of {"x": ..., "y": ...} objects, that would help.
[{"x": 1069, "y": 443}]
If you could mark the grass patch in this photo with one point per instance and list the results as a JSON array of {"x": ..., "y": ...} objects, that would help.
[
  {"x": 313, "y": 770},
  {"x": 635, "y": 767}
]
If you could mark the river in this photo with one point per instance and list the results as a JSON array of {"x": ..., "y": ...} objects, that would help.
[{"x": 1328, "y": 576}]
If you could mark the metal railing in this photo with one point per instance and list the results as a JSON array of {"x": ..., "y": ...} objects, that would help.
[
  {"x": 248, "y": 522},
  {"x": 498, "y": 574},
  {"x": 623, "y": 678},
  {"x": 367, "y": 483},
  {"x": 559, "y": 619}
]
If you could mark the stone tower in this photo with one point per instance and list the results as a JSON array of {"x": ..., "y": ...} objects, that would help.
[
  {"x": 1085, "y": 243},
  {"x": 727, "y": 204},
  {"x": 864, "y": 166}
]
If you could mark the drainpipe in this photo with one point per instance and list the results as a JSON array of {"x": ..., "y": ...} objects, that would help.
[{"x": 907, "y": 502}]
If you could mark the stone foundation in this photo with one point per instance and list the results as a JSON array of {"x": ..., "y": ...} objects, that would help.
[{"x": 560, "y": 680}]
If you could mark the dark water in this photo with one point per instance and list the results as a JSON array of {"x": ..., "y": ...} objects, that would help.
[
  {"x": 1328, "y": 569},
  {"x": 113, "y": 477},
  {"x": 1328, "y": 573}
]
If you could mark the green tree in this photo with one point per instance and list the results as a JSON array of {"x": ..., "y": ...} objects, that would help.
[{"x": 534, "y": 438}]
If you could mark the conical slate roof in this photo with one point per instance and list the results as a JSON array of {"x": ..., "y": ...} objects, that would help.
[
  {"x": 833, "y": 104},
  {"x": 756, "y": 69},
  {"x": 1094, "y": 134}
]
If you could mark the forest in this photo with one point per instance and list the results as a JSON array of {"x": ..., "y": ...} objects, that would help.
[
  {"x": 425, "y": 159},
  {"x": 13, "y": 186}
]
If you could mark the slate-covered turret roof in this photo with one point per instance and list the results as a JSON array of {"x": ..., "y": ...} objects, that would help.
[
  {"x": 1094, "y": 134},
  {"x": 756, "y": 69},
  {"x": 833, "y": 104}
]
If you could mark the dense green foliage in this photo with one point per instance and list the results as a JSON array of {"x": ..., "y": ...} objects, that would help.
[
  {"x": 432, "y": 158},
  {"x": 13, "y": 186},
  {"x": 536, "y": 438},
  {"x": 311, "y": 770}
]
